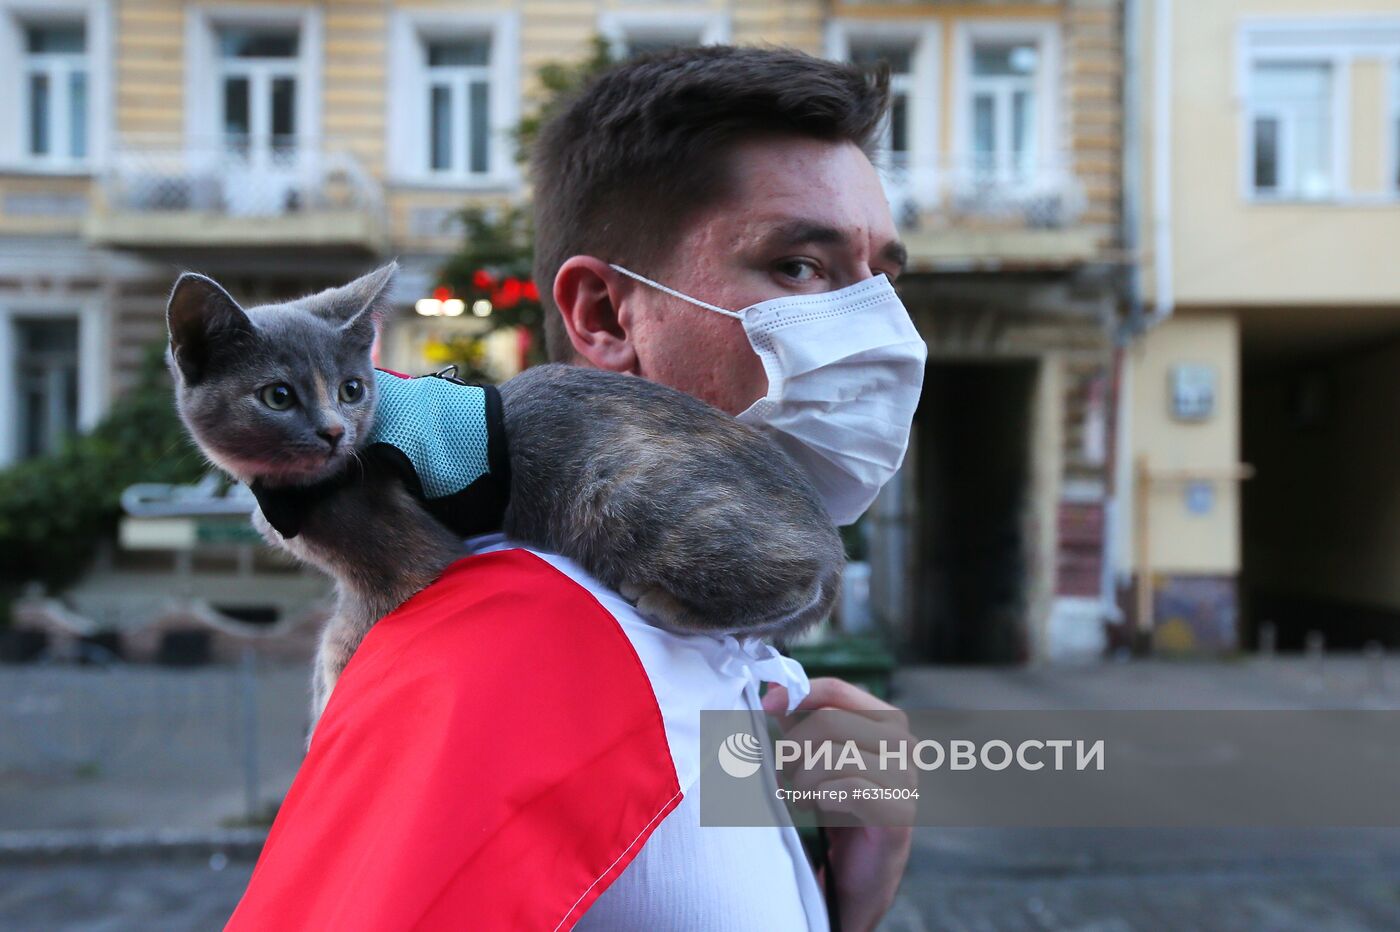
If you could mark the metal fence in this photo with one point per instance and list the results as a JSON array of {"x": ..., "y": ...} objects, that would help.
[{"x": 140, "y": 744}]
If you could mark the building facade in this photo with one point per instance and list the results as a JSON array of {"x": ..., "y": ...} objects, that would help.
[
  {"x": 282, "y": 147},
  {"x": 1263, "y": 393}
]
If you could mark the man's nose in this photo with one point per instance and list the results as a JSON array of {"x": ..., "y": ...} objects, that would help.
[{"x": 331, "y": 434}]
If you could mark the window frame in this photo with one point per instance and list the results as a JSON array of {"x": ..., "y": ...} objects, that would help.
[
  {"x": 16, "y": 17},
  {"x": 1340, "y": 142},
  {"x": 924, "y": 37},
  {"x": 1343, "y": 39},
  {"x": 409, "y": 122},
  {"x": 616, "y": 26},
  {"x": 205, "y": 68},
  {"x": 1049, "y": 135},
  {"x": 92, "y": 359},
  {"x": 458, "y": 81},
  {"x": 1390, "y": 144}
]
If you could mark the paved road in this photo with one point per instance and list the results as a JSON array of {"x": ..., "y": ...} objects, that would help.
[
  {"x": 964, "y": 879},
  {"x": 1154, "y": 880}
]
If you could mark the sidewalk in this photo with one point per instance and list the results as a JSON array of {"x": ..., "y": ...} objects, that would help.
[{"x": 1144, "y": 879}]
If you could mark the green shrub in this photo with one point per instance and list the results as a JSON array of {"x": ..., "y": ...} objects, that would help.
[{"x": 55, "y": 509}]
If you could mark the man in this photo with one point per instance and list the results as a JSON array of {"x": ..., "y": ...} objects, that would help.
[
  {"x": 737, "y": 176},
  {"x": 720, "y": 176}
]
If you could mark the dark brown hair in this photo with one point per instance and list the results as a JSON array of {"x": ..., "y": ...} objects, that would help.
[{"x": 622, "y": 167}]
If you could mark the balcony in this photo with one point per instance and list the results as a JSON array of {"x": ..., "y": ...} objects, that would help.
[
  {"x": 961, "y": 215},
  {"x": 241, "y": 192}
]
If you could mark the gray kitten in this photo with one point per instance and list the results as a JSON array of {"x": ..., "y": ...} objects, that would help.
[{"x": 700, "y": 520}]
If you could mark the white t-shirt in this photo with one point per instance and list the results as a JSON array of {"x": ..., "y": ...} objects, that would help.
[{"x": 688, "y": 877}]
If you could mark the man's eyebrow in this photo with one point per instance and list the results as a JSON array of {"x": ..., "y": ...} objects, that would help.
[{"x": 798, "y": 232}]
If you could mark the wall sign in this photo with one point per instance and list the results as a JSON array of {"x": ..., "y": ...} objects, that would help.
[{"x": 1193, "y": 389}]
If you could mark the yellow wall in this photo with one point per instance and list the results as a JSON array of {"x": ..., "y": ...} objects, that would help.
[
  {"x": 1320, "y": 523},
  {"x": 1180, "y": 541},
  {"x": 1228, "y": 250}
]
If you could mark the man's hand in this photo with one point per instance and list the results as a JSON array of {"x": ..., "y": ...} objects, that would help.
[{"x": 868, "y": 861}]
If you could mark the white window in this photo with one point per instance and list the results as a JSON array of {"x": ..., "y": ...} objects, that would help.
[
  {"x": 251, "y": 135},
  {"x": 46, "y": 383},
  {"x": 908, "y": 146},
  {"x": 1003, "y": 100},
  {"x": 53, "y": 75},
  {"x": 459, "y": 106},
  {"x": 633, "y": 33},
  {"x": 1293, "y": 77},
  {"x": 1291, "y": 129},
  {"x": 52, "y": 372},
  {"x": 55, "y": 91},
  {"x": 1005, "y": 129},
  {"x": 454, "y": 99},
  {"x": 1393, "y": 128},
  {"x": 258, "y": 87},
  {"x": 895, "y": 136}
]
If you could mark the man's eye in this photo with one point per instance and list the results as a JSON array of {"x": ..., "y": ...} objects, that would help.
[
  {"x": 801, "y": 270},
  {"x": 278, "y": 397},
  {"x": 352, "y": 390}
]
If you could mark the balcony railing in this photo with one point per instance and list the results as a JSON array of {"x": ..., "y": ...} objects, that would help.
[
  {"x": 268, "y": 189},
  {"x": 1037, "y": 196}
]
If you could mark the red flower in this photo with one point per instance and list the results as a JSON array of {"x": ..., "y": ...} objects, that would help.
[
  {"x": 442, "y": 292},
  {"x": 530, "y": 292},
  {"x": 483, "y": 280}
]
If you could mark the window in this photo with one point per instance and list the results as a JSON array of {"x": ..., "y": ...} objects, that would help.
[
  {"x": 454, "y": 95},
  {"x": 896, "y": 136},
  {"x": 46, "y": 373},
  {"x": 1003, "y": 103},
  {"x": 637, "y": 32},
  {"x": 1395, "y": 127},
  {"x": 54, "y": 84},
  {"x": 908, "y": 150},
  {"x": 459, "y": 106},
  {"x": 258, "y": 77},
  {"x": 1291, "y": 129}
]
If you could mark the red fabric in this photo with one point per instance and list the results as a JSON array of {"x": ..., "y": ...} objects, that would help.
[{"x": 492, "y": 758}]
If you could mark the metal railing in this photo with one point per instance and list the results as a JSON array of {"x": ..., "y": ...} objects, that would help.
[
  {"x": 243, "y": 176},
  {"x": 969, "y": 192}
]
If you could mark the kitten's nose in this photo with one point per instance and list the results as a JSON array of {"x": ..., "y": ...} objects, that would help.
[{"x": 331, "y": 435}]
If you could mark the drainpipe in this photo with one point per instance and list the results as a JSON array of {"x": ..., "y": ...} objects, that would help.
[
  {"x": 1162, "y": 162},
  {"x": 1124, "y": 482},
  {"x": 1117, "y": 519},
  {"x": 1131, "y": 202}
]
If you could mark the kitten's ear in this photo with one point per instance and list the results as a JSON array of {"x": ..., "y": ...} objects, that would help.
[
  {"x": 363, "y": 302},
  {"x": 200, "y": 316}
]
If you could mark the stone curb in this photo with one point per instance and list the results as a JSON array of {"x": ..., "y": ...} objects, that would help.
[{"x": 242, "y": 844}]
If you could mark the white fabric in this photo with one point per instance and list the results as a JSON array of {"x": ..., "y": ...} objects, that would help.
[
  {"x": 690, "y": 878},
  {"x": 845, "y": 370}
]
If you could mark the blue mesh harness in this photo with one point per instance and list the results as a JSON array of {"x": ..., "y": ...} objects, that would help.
[{"x": 443, "y": 438}]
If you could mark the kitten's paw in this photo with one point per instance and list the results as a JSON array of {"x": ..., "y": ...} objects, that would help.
[{"x": 663, "y": 609}]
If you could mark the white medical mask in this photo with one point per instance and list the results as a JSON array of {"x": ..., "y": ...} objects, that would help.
[{"x": 845, "y": 369}]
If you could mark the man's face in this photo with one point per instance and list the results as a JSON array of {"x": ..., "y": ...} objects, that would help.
[{"x": 805, "y": 216}]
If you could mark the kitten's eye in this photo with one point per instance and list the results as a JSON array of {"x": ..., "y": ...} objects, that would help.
[
  {"x": 352, "y": 390},
  {"x": 278, "y": 397}
]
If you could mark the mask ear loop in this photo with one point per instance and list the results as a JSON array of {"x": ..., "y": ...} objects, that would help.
[{"x": 676, "y": 294}]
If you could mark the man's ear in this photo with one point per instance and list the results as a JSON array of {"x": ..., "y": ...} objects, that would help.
[
  {"x": 200, "y": 316},
  {"x": 589, "y": 294},
  {"x": 362, "y": 302}
]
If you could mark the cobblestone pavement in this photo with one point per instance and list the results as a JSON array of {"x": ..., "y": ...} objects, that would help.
[
  {"x": 963, "y": 879},
  {"x": 1154, "y": 880},
  {"x": 107, "y": 897}
]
